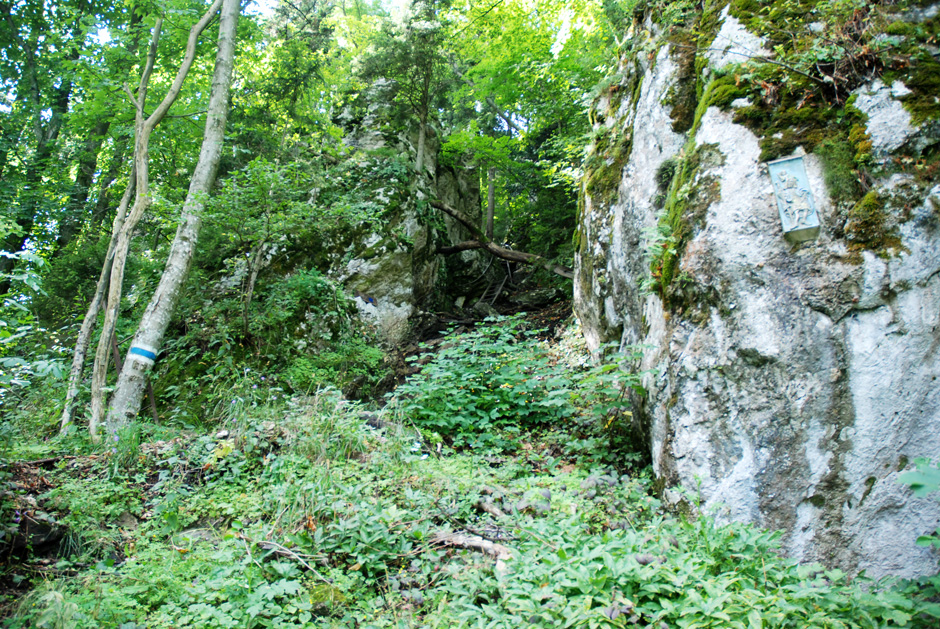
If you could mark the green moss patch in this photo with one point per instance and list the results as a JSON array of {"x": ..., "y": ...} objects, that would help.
[
  {"x": 682, "y": 96},
  {"x": 792, "y": 123},
  {"x": 868, "y": 225},
  {"x": 605, "y": 164},
  {"x": 838, "y": 159},
  {"x": 916, "y": 67},
  {"x": 725, "y": 90},
  {"x": 923, "y": 79},
  {"x": 611, "y": 147},
  {"x": 691, "y": 192}
]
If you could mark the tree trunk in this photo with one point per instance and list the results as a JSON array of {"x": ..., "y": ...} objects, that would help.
[
  {"x": 254, "y": 267},
  {"x": 91, "y": 316},
  {"x": 144, "y": 127},
  {"x": 422, "y": 142},
  {"x": 131, "y": 382}
]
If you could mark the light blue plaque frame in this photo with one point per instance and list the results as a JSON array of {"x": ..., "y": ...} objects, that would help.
[{"x": 794, "y": 199}]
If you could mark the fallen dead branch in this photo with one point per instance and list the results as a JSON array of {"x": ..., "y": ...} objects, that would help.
[
  {"x": 283, "y": 551},
  {"x": 475, "y": 542},
  {"x": 481, "y": 241},
  {"x": 488, "y": 507}
]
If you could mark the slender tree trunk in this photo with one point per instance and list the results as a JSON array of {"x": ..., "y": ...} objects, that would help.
[
  {"x": 91, "y": 316},
  {"x": 131, "y": 382},
  {"x": 490, "y": 201},
  {"x": 422, "y": 141},
  {"x": 103, "y": 205},
  {"x": 120, "y": 238},
  {"x": 116, "y": 279},
  {"x": 254, "y": 267},
  {"x": 101, "y": 209}
]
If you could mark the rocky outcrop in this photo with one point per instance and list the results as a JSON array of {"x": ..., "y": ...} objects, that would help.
[
  {"x": 788, "y": 385},
  {"x": 392, "y": 269}
]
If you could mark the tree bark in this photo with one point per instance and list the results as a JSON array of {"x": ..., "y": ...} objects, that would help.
[
  {"x": 101, "y": 209},
  {"x": 482, "y": 242},
  {"x": 91, "y": 316},
  {"x": 146, "y": 344},
  {"x": 254, "y": 267},
  {"x": 422, "y": 144}
]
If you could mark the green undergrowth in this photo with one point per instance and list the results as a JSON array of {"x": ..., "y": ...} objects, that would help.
[
  {"x": 478, "y": 387},
  {"x": 312, "y": 511},
  {"x": 303, "y": 320}
]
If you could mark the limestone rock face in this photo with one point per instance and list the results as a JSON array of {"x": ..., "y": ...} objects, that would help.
[
  {"x": 790, "y": 385},
  {"x": 889, "y": 123}
]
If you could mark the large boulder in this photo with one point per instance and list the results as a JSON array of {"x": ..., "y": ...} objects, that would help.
[{"x": 392, "y": 269}]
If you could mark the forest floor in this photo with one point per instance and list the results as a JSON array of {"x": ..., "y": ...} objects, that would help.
[{"x": 314, "y": 511}]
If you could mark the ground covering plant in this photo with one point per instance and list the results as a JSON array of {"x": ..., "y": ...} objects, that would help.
[
  {"x": 314, "y": 511},
  {"x": 499, "y": 377}
]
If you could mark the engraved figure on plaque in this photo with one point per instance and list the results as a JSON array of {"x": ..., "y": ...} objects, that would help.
[{"x": 794, "y": 199}]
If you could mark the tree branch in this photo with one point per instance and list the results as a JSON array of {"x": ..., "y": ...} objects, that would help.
[
  {"x": 482, "y": 242},
  {"x": 188, "y": 59}
]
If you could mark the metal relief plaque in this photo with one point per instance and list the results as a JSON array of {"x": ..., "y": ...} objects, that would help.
[{"x": 794, "y": 199}]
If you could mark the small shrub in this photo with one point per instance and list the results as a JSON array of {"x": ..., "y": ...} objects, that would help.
[{"x": 352, "y": 366}]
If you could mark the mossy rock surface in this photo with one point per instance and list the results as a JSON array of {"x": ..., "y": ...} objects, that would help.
[
  {"x": 873, "y": 225},
  {"x": 611, "y": 147},
  {"x": 691, "y": 192}
]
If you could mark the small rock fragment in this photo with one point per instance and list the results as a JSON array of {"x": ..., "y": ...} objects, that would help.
[
  {"x": 644, "y": 559},
  {"x": 589, "y": 482}
]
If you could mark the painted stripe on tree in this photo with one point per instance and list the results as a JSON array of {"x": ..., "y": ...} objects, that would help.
[{"x": 143, "y": 353}]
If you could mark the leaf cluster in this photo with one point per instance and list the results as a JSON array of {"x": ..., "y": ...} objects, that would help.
[{"x": 499, "y": 377}]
